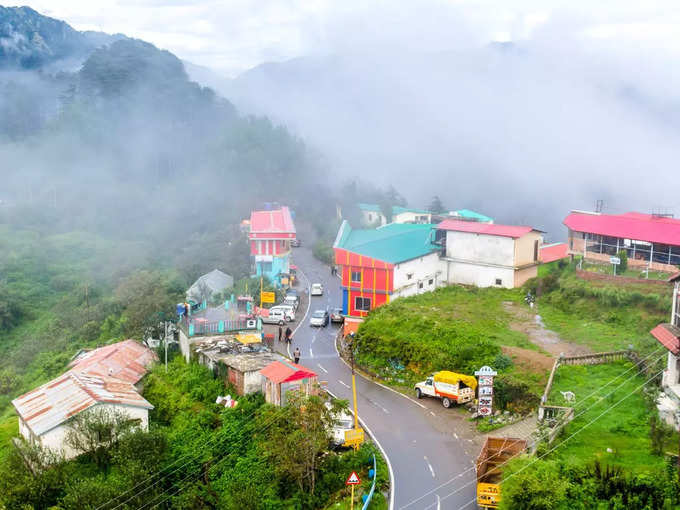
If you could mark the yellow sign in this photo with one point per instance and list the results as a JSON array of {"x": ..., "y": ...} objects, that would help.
[
  {"x": 268, "y": 297},
  {"x": 354, "y": 437}
]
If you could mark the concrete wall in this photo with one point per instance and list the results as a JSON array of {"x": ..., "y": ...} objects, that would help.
[
  {"x": 480, "y": 275},
  {"x": 525, "y": 247},
  {"x": 370, "y": 218},
  {"x": 480, "y": 248},
  {"x": 422, "y": 270},
  {"x": 522, "y": 275},
  {"x": 252, "y": 382},
  {"x": 411, "y": 217},
  {"x": 184, "y": 345}
]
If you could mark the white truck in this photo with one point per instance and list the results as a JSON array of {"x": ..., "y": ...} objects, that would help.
[{"x": 450, "y": 387}]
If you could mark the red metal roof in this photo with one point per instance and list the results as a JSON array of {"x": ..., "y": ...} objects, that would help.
[
  {"x": 278, "y": 221},
  {"x": 669, "y": 336},
  {"x": 636, "y": 226},
  {"x": 51, "y": 404},
  {"x": 553, "y": 252},
  {"x": 285, "y": 371},
  {"x": 490, "y": 229},
  {"x": 127, "y": 360}
]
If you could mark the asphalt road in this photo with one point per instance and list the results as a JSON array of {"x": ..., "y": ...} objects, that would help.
[{"x": 432, "y": 467}]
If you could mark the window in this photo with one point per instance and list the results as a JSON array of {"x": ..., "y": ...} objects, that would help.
[
  {"x": 430, "y": 281},
  {"x": 409, "y": 276},
  {"x": 362, "y": 304},
  {"x": 370, "y": 217},
  {"x": 499, "y": 281},
  {"x": 356, "y": 276},
  {"x": 535, "y": 251},
  {"x": 420, "y": 285}
]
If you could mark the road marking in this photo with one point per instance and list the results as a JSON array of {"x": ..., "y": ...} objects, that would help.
[
  {"x": 344, "y": 384},
  {"x": 378, "y": 406},
  {"x": 311, "y": 354},
  {"x": 439, "y": 503},
  {"x": 322, "y": 368},
  {"x": 429, "y": 465},
  {"x": 432, "y": 413},
  {"x": 309, "y": 303},
  {"x": 455, "y": 435}
]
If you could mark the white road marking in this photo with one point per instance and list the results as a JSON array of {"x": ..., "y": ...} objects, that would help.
[
  {"x": 432, "y": 413},
  {"x": 309, "y": 302},
  {"x": 322, "y": 368},
  {"x": 378, "y": 406},
  {"x": 429, "y": 465},
  {"x": 344, "y": 384},
  {"x": 311, "y": 354},
  {"x": 439, "y": 503},
  {"x": 455, "y": 435}
]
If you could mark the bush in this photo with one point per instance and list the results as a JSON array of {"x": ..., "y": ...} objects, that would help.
[
  {"x": 623, "y": 265},
  {"x": 324, "y": 252}
]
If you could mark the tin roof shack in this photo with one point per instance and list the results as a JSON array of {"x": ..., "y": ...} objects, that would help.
[
  {"x": 280, "y": 377},
  {"x": 238, "y": 363}
]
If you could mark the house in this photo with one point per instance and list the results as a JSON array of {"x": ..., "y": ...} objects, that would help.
[
  {"x": 270, "y": 234},
  {"x": 651, "y": 241},
  {"x": 552, "y": 252},
  {"x": 668, "y": 335},
  {"x": 127, "y": 360},
  {"x": 44, "y": 412},
  {"x": 372, "y": 215},
  {"x": 209, "y": 285},
  {"x": 487, "y": 254},
  {"x": 382, "y": 264},
  {"x": 468, "y": 215},
  {"x": 280, "y": 377}
]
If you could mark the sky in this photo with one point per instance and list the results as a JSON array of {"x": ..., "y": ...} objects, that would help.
[{"x": 235, "y": 35}]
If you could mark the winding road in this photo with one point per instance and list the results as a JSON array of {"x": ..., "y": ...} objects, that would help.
[{"x": 431, "y": 465}]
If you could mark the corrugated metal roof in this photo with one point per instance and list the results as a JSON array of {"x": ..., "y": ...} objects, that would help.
[
  {"x": 669, "y": 336},
  {"x": 553, "y": 252},
  {"x": 285, "y": 371},
  {"x": 635, "y": 226},
  {"x": 127, "y": 360},
  {"x": 471, "y": 215},
  {"x": 53, "y": 403},
  {"x": 491, "y": 229},
  {"x": 275, "y": 222}
]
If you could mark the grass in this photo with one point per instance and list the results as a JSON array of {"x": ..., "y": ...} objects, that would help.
[
  {"x": 630, "y": 272},
  {"x": 624, "y": 428}
]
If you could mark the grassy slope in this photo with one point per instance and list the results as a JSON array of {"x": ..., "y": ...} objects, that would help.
[{"x": 623, "y": 428}]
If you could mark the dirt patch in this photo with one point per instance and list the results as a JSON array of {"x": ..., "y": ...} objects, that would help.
[
  {"x": 532, "y": 361},
  {"x": 529, "y": 322}
]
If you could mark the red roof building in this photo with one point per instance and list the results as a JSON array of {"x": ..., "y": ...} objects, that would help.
[
  {"x": 650, "y": 241},
  {"x": 490, "y": 229},
  {"x": 127, "y": 360},
  {"x": 270, "y": 234},
  {"x": 552, "y": 252},
  {"x": 279, "y": 377}
]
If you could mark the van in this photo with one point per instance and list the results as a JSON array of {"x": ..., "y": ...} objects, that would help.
[
  {"x": 288, "y": 310},
  {"x": 275, "y": 317}
]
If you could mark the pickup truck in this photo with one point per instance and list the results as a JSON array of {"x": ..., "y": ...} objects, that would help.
[
  {"x": 449, "y": 387},
  {"x": 495, "y": 453}
]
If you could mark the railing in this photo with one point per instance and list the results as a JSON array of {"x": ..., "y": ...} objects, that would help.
[
  {"x": 596, "y": 358},
  {"x": 207, "y": 328},
  {"x": 555, "y": 418}
]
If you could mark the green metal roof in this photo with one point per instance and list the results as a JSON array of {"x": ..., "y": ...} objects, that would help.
[
  {"x": 369, "y": 207},
  {"x": 398, "y": 210},
  {"x": 472, "y": 215},
  {"x": 393, "y": 243}
]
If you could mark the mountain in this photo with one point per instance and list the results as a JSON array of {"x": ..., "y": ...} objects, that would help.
[{"x": 29, "y": 40}]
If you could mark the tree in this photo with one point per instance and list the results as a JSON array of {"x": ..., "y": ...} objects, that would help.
[
  {"x": 530, "y": 484},
  {"x": 436, "y": 206},
  {"x": 623, "y": 265},
  {"x": 96, "y": 431}
]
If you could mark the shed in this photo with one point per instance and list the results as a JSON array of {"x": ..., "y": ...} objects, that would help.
[
  {"x": 280, "y": 377},
  {"x": 209, "y": 284}
]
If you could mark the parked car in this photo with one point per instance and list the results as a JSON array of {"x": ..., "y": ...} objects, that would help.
[
  {"x": 289, "y": 310},
  {"x": 342, "y": 421},
  {"x": 336, "y": 315},
  {"x": 319, "y": 318},
  {"x": 292, "y": 301},
  {"x": 317, "y": 289},
  {"x": 295, "y": 243},
  {"x": 275, "y": 317}
]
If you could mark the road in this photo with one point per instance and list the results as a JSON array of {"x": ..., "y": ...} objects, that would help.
[{"x": 424, "y": 455}]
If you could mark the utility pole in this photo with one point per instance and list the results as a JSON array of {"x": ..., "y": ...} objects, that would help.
[{"x": 166, "y": 346}]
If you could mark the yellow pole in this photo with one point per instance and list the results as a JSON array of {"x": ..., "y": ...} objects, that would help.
[
  {"x": 354, "y": 393},
  {"x": 351, "y": 505}
]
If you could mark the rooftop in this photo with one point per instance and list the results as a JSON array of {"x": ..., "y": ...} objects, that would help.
[
  {"x": 490, "y": 229},
  {"x": 272, "y": 222},
  {"x": 668, "y": 336},
  {"x": 215, "y": 280},
  {"x": 53, "y": 403},
  {"x": 392, "y": 243},
  {"x": 127, "y": 360},
  {"x": 631, "y": 225},
  {"x": 396, "y": 209},
  {"x": 217, "y": 348},
  {"x": 467, "y": 214},
  {"x": 285, "y": 371},
  {"x": 553, "y": 252}
]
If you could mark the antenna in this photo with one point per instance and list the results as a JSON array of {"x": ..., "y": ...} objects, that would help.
[{"x": 599, "y": 205}]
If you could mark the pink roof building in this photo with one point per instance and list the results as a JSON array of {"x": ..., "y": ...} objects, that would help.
[
  {"x": 127, "y": 360},
  {"x": 270, "y": 234}
]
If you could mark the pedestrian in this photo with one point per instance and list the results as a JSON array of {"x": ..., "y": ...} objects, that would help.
[
  {"x": 280, "y": 333},
  {"x": 289, "y": 335},
  {"x": 296, "y": 355}
]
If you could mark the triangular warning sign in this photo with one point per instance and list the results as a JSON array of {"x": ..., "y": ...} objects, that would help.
[{"x": 353, "y": 479}]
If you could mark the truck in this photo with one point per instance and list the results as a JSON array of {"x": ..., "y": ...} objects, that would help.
[
  {"x": 495, "y": 453},
  {"x": 450, "y": 387}
]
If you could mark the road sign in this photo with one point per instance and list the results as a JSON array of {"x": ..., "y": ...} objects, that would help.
[
  {"x": 269, "y": 297},
  {"x": 353, "y": 479},
  {"x": 354, "y": 437},
  {"x": 615, "y": 260},
  {"x": 484, "y": 411}
]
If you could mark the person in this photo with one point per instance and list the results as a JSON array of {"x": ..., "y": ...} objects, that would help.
[
  {"x": 296, "y": 355},
  {"x": 289, "y": 335},
  {"x": 280, "y": 333}
]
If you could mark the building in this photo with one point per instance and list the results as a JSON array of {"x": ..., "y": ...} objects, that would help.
[
  {"x": 209, "y": 285},
  {"x": 668, "y": 335},
  {"x": 270, "y": 234},
  {"x": 280, "y": 377},
  {"x": 379, "y": 265},
  {"x": 372, "y": 215},
  {"x": 552, "y": 252},
  {"x": 44, "y": 412},
  {"x": 468, "y": 215},
  {"x": 650, "y": 241},
  {"x": 487, "y": 254}
]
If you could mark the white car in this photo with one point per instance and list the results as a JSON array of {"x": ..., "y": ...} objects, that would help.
[
  {"x": 317, "y": 289},
  {"x": 319, "y": 318},
  {"x": 342, "y": 421},
  {"x": 289, "y": 310},
  {"x": 275, "y": 317}
]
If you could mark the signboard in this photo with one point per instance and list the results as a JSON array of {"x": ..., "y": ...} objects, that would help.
[
  {"x": 484, "y": 411},
  {"x": 485, "y": 380},
  {"x": 269, "y": 297},
  {"x": 615, "y": 260},
  {"x": 354, "y": 437},
  {"x": 485, "y": 377},
  {"x": 353, "y": 479},
  {"x": 485, "y": 401}
]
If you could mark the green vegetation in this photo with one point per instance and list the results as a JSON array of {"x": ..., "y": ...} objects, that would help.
[{"x": 207, "y": 456}]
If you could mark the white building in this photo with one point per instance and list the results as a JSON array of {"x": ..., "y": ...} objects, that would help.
[
  {"x": 488, "y": 255},
  {"x": 669, "y": 336},
  {"x": 372, "y": 215},
  {"x": 44, "y": 412}
]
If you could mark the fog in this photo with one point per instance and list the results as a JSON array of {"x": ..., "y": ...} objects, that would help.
[{"x": 523, "y": 131}]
